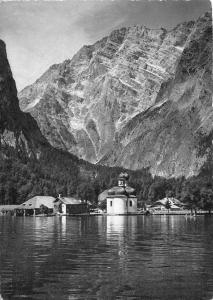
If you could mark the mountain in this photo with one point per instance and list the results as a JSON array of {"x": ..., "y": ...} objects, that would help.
[
  {"x": 138, "y": 98},
  {"x": 29, "y": 165}
]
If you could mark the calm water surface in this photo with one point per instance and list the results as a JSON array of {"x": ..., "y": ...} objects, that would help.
[{"x": 117, "y": 257}]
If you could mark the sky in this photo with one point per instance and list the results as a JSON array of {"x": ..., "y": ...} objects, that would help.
[{"x": 41, "y": 33}]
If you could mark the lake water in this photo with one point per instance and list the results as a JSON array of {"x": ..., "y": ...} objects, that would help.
[{"x": 106, "y": 257}]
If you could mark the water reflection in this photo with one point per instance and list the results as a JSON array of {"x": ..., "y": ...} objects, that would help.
[
  {"x": 121, "y": 226},
  {"x": 117, "y": 257},
  {"x": 115, "y": 224}
]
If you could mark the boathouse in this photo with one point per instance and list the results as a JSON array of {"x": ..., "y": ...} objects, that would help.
[
  {"x": 36, "y": 205},
  {"x": 70, "y": 206},
  {"x": 121, "y": 199}
]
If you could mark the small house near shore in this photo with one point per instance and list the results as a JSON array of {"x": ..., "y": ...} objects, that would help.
[
  {"x": 174, "y": 204},
  {"x": 70, "y": 206},
  {"x": 121, "y": 199},
  {"x": 36, "y": 205}
]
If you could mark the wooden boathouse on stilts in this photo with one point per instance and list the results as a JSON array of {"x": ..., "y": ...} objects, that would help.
[{"x": 36, "y": 206}]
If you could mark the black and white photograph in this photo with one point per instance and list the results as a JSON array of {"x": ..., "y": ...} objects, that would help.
[{"x": 106, "y": 150}]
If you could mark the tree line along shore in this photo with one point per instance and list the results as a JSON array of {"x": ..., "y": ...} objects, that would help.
[{"x": 53, "y": 174}]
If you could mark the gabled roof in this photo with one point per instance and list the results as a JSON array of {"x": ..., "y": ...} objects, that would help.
[
  {"x": 173, "y": 202},
  {"x": 70, "y": 200},
  {"x": 37, "y": 201}
]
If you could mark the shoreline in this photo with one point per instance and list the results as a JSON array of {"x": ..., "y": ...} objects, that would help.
[{"x": 111, "y": 215}]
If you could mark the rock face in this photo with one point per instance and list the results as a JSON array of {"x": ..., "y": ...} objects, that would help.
[
  {"x": 138, "y": 98},
  {"x": 21, "y": 141},
  {"x": 17, "y": 129}
]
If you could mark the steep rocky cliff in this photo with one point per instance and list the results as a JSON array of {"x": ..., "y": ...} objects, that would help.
[
  {"x": 17, "y": 129},
  {"x": 29, "y": 165},
  {"x": 138, "y": 98},
  {"x": 19, "y": 132}
]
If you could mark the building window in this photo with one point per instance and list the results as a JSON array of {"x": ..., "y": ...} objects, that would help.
[
  {"x": 120, "y": 183},
  {"x": 110, "y": 203},
  {"x": 130, "y": 203}
]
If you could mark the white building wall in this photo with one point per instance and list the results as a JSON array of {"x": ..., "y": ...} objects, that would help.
[
  {"x": 63, "y": 208},
  {"x": 133, "y": 208},
  {"x": 119, "y": 205}
]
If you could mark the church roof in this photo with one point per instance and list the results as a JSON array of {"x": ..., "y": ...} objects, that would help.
[
  {"x": 123, "y": 175},
  {"x": 119, "y": 190}
]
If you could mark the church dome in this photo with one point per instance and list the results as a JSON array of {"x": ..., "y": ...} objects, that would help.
[
  {"x": 123, "y": 175},
  {"x": 122, "y": 189}
]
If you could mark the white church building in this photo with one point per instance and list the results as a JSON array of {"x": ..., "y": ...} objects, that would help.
[{"x": 121, "y": 199}]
